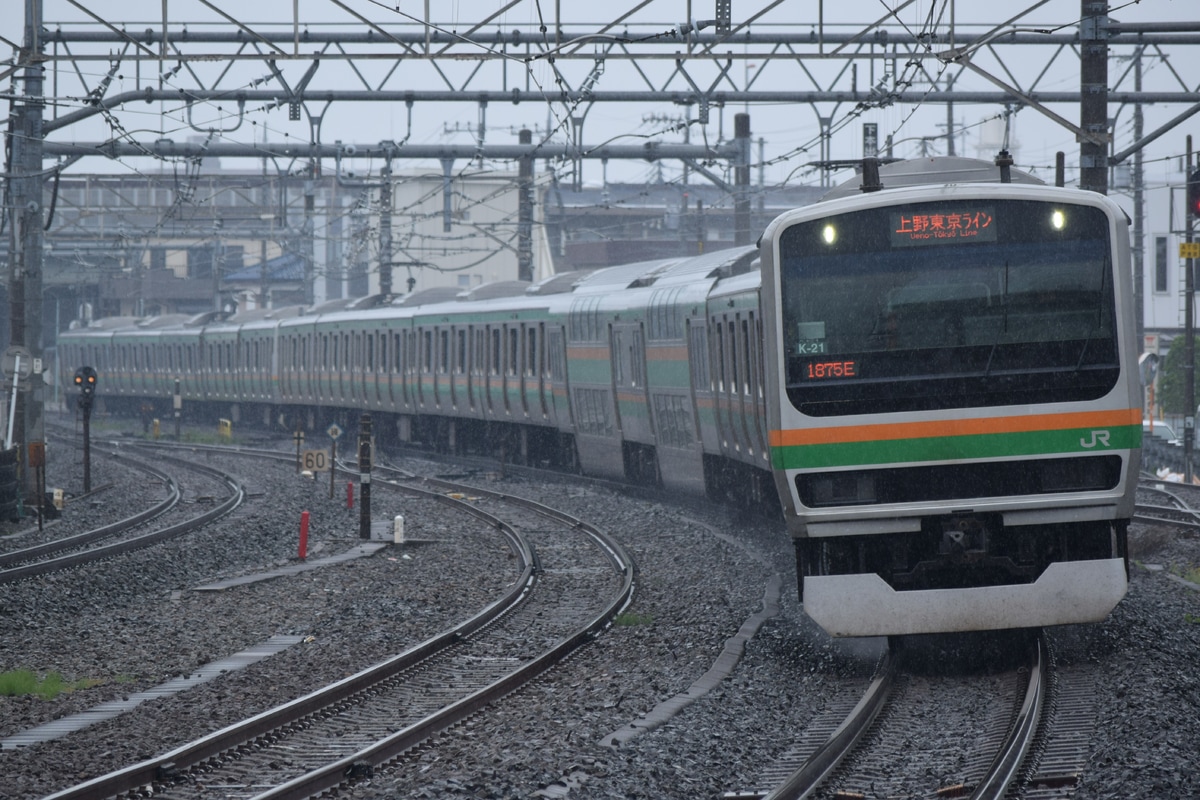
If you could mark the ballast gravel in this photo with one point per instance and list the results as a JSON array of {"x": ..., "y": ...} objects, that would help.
[{"x": 136, "y": 621}]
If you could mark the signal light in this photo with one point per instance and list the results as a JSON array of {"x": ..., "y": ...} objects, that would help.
[
  {"x": 1193, "y": 194},
  {"x": 85, "y": 379}
]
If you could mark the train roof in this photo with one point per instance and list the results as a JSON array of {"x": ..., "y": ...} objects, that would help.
[
  {"x": 265, "y": 314},
  {"x": 493, "y": 290},
  {"x": 938, "y": 169},
  {"x": 110, "y": 323},
  {"x": 671, "y": 271},
  {"x": 561, "y": 283},
  {"x": 436, "y": 294}
]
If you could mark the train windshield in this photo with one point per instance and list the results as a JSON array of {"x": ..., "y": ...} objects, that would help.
[{"x": 948, "y": 305}]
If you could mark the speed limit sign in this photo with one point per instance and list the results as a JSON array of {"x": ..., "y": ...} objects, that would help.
[{"x": 314, "y": 460}]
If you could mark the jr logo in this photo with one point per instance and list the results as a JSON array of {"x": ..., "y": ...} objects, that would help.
[{"x": 1098, "y": 438}]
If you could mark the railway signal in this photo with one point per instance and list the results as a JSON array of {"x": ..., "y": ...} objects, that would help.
[{"x": 85, "y": 379}]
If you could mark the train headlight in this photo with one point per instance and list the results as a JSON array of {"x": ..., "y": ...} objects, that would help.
[
  {"x": 1058, "y": 220},
  {"x": 829, "y": 234}
]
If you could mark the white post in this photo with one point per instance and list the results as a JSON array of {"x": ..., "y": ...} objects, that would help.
[{"x": 12, "y": 406}]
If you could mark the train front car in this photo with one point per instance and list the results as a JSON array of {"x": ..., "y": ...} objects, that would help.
[{"x": 954, "y": 405}]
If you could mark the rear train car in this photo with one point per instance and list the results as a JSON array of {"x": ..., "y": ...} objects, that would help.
[{"x": 953, "y": 400}]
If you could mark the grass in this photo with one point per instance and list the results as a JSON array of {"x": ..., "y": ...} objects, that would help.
[
  {"x": 1188, "y": 572},
  {"x": 20, "y": 682},
  {"x": 630, "y": 618}
]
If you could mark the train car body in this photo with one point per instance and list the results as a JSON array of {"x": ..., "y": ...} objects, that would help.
[
  {"x": 955, "y": 404},
  {"x": 936, "y": 384}
]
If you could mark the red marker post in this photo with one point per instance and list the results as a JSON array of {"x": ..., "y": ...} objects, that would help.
[{"x": 303, "y": 535}]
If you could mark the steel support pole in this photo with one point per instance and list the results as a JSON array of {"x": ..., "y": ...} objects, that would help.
[
  {"x": 525, "y": 210},
  {"x": 1093, "y": 105},
  {"x": 385, "y": 228},
  {"x": 1189, "y": 339},
  {"x": 25, "y": 282},
  {"x": 742, "y": 234},
  {"x": 364, "y": 471}
]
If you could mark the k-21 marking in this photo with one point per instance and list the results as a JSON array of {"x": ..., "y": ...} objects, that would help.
[{"x": 1098, "y": 438}]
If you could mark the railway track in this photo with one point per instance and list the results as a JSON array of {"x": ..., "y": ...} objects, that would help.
[
  {"x": 1175, "y": 504},
  {"x": 574, "y": 580},
  {"x": 125, "y": 535},
  {"x": 871, "y": 750}
]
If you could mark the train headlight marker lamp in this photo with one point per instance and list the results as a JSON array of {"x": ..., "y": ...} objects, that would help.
[
  {"x": 829, "y": 234},
  {"x": 1058, "y": 220}
]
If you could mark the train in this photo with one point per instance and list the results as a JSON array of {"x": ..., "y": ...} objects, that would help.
[{"x": 931, "y": 373}]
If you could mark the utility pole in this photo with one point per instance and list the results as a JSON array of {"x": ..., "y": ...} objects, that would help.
[
  {"x": 1139, "y": 209},
  {"x": 742, "y": 234},
  {"x": 308, "y": 235},
  {"x": 26, "y": 219},
  {"x": 525, "y": 211},
  {"x": 217, "y": 265},
  {"x": 1093, "y": 104},
  {"x": 385, "y": 227},
  {"x": 1189, "y": 334}
]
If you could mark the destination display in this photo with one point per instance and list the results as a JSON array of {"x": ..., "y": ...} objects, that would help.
[{"x": 951, "y": 226}]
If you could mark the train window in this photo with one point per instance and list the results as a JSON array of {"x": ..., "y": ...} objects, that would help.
[
  {"x": 460, "y": 363},
  {"x": 443, "y": 351},
  {"x": 555, "y": 355},
  {"x": 514, "y": 352},
  {"x": 637, "y": 361},
  {"x": 370, "y": 337},
  {"x": 427, "y": 351},
  {"x": 746, "y": 376},
  {"x": 584, "y": 320},
  {"x": 759, "y": 361},
  {"x": 698, "y": 355},
  {"x": 731, "y": 343},
  {"x": 531, "y": 353},
  {"x": 496, "y": 351},
  {"x": 890, "y": 318},
  {"x": 617, "y": 359},
  {"x": 718, "y": 353}
]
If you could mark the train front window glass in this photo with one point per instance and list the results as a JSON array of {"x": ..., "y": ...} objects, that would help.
[{"x": 948, "y": 305}]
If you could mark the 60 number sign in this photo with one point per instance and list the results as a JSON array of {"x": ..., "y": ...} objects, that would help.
[{"x": 314, "y": 460}]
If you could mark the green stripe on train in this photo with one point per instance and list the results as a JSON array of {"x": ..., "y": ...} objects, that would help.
[{"x": 950, "y": 448}]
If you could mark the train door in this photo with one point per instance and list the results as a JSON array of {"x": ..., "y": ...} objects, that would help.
[
  {"x": 383, "y": 386},
  {"x": 725, "y": 371},
  {"x": 616, "y": 344},
  {"x": 353, "y": 370},
  {"x": 495, "y": 370},
  {"x": 628, "y": 358},
  {"x": 745, "y": 396},
  {"x": 758, "y": 406},
  {"x": 458, "y": 366},
  {"x": 474, "y": 368},
  {"x": 408, "y": 350},
  {"x": 395, "y": 378},
  {"x": 512, "y": 372},
  {"x": 443, "y": 392},
  {"x": 536, "y": 370}
]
